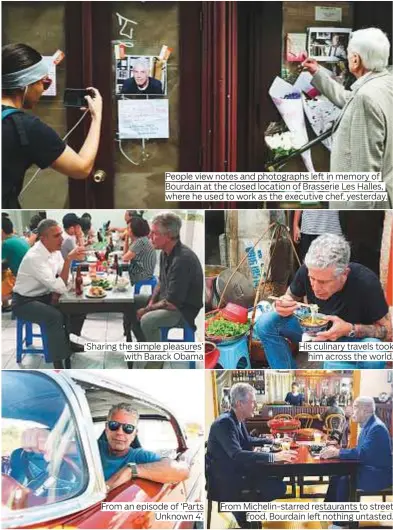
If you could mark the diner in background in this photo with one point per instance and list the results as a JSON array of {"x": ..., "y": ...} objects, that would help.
[
  {"x": 348, "y": 294},
  {"x": 141, "y": 258},
  {"x": 332, "y": 408},
  {"x": 73, "y": 235},
  {"x": 294, "y": 397},
  {"x": 42, "y": 278},
  {"x": 13, "y": 249}
]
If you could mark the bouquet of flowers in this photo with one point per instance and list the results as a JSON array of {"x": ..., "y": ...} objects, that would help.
[
  {"x": 288, "y": 101},
  {"x": 280, "y": 141}
]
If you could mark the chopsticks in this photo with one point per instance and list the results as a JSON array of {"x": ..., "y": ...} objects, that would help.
[{"x": 298, "y": 303}]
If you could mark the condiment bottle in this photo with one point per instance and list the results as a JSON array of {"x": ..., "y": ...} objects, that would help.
[{"x": 78, "y": 282}]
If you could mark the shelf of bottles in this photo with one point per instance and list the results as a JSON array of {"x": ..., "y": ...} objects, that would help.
[{"x": 255, "y": 378}]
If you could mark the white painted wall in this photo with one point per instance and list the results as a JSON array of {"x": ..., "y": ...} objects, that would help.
[{"x": 373, "y": 382}]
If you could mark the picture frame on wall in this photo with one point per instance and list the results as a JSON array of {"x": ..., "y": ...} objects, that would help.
[{"x": 328, "y": 44}]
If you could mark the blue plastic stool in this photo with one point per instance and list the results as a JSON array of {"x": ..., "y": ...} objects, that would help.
[
  {"x": 152, "y": 282},
  {"x": 188, "y": 336},
  {"x": 25, "y": 336},
  {"x": 235, "y": 355}
]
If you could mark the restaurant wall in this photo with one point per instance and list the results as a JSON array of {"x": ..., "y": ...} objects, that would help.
[{"x": 373, "y": 382}]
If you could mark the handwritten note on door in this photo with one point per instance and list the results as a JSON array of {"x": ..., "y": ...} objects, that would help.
[{"x": 143, "y": 118}]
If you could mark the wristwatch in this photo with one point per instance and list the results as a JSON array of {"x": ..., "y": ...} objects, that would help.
[
  {"x": 352, "y": 333},
  {"x": 134, "y": 470}
]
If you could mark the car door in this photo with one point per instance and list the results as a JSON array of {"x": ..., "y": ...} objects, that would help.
[{"x": 61, "y": 476}]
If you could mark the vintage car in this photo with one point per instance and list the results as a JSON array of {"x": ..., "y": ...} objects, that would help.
[{"x": 56, "y": 489}]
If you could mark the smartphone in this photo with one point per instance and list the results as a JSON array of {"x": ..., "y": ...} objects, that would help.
[{"x": 75, "y": 97}]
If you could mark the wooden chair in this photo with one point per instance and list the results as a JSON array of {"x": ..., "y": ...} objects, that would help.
[
  {"x": 334, "y": 422},
  {"x": 306, "y": 420},
  {"x": 381, "y": 493},
  {"x": 282, "y": 417}
]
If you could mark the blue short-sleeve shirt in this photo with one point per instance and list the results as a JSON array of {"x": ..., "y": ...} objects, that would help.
[{"x": 112, "y": 463}]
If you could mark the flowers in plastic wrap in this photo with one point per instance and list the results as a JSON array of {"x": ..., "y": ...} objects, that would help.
[
  {"x": 289, "y": 104},
  {"x": 320, "y": 112}
]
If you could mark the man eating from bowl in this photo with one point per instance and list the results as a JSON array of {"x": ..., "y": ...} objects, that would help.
[{"x": 348, "y": 294}]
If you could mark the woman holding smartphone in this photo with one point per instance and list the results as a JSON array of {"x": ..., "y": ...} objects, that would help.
[{"x": 26, "y": 139}]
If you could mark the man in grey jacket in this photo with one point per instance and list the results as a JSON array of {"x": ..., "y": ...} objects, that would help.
[{"x": 363, "y": 133}]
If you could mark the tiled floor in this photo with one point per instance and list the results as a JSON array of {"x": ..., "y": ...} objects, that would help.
[{"x": 99, "y": 327}]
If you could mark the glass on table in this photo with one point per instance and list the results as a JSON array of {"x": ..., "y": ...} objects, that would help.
[{"x": 317, "y": 437}]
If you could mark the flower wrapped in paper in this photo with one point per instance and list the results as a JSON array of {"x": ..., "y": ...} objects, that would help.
[
  {"x": 320, "y": 112},
  {"x": 280, "y": 141},
  {"x": 289, "y": 104}
]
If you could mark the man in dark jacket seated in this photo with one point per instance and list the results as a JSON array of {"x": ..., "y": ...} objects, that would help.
[
  {"x": 374, "y": 450},
  {"x": 232, "y": 472}
]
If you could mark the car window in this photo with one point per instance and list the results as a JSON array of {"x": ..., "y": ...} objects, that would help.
[
  {"x": 42, "y": 458},
  {"x": 157, "y": 435}
]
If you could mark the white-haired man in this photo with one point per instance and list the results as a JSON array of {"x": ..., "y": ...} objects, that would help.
[
  {"x": 141, "y": 82},
  {"x": 349, "y": 293},
  {"x": 374, "y": 451},
  {"x": 231, "y": 460},
  {"x": 363, "y": 133}
]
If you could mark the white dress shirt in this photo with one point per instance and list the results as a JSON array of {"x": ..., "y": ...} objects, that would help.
[{"x": 37, "y": 272}]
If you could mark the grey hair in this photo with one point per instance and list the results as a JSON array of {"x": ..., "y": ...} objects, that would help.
[
  {"x": 367, "y": 403},
  {"x": 328, "y": 250},
  {"x": 123, "y": 406},
  {"x": 169, "y": 222},
  {"x": 44, "y": 226},
  {"x": 144, "y": 64},
  {"x": 373, "y": 46},
  {"x": 239, "y": 392}
]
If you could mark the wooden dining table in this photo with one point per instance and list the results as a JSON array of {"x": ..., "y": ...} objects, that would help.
[{"x": 307, "y": 465}]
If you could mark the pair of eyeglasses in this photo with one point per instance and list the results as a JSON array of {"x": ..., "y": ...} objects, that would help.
[
  {"x": 128, "y": 428},
  {"x": 46, "y": 82}
]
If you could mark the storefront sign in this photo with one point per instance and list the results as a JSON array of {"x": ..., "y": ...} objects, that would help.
[{"x": 328, "y": 14}]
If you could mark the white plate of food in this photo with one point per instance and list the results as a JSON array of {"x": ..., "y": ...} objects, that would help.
[{"x": 96, "y": 292}]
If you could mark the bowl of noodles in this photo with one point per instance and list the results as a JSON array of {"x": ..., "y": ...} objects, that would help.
[{"x": 311, "y": 321}]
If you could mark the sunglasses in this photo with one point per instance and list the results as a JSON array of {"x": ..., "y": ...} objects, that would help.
[
  {"x": 46, "y": 82},
  {"x": 128, "y": 428}
]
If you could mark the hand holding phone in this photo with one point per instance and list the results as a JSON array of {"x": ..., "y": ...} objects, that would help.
[
  {"x": 94, "y": 102},
  {"x": 75, "y": 97},
  {"x": 84, "y": 98}
]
